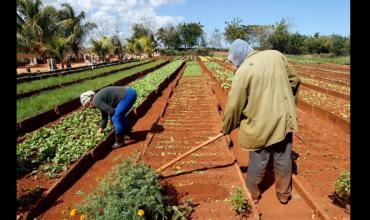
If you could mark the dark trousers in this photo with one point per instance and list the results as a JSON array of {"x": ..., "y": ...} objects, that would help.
[{"x": 282, "y": 164}]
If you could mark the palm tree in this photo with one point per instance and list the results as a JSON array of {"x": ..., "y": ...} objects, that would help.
[
  {"x": 56, "y": 47},
  {"x": 76, "y": 31},
  {"x": 35, "y": 25},
  {"x": 117, "y": 46},
  {"x": 147, "y": 45},
  {"x": 101, "y": 47}
]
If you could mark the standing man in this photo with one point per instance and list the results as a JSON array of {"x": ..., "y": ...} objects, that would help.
[
  {"x": 115, "y": 102},
  {"x": 262, "y": 103}
]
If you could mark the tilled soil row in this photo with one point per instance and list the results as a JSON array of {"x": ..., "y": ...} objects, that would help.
[{"x": 207, "y": 176}]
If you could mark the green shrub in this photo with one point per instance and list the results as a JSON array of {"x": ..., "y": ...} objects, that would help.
[
  {"x": 131, "y": 191},
  {"x": 239, "y": 202},
  {"x": 342, "y": 187},
  {"x": 202, "y": 52}
]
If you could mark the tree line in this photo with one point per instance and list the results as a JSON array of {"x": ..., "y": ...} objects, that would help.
[{"x": 48, "y": 32}]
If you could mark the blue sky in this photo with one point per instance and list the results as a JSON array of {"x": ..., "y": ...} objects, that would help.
[{"x": 306, "y": 16}]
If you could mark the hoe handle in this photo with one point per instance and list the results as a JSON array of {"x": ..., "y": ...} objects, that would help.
[{"x": 189, "y": 152}]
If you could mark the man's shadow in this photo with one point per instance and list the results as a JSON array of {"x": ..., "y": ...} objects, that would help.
[{"x": 269, "y": 178}]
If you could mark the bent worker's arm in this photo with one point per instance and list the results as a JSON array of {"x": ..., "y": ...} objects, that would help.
[
  {"x": 236, "y": 102},
  {"x": 294, "y": 79},
  {"x": 105, "y": 111},
  {"x": 104, "y": 119}
]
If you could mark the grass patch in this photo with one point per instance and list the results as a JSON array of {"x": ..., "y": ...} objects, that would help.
[
  {"x": 52, "y": 81},
  {"x": 344, "y": 60},
  {"x": 192, "y": 69}
]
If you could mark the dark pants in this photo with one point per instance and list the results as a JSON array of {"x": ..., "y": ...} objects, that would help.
[
  {"x": 282, "y": 163},
  {"x": 119, "y": 116}
]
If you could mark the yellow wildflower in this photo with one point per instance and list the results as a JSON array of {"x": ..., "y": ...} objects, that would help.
[
  {"x": 140, "y": 212},
  {"x": 82, "y": 217},
  {"x": 73, "y": 212}
]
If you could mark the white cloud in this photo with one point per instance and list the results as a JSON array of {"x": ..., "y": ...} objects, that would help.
[{"x": 122, "y": 12}]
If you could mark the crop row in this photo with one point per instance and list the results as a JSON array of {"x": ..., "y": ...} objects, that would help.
[
  {"x": 52, "y": 81},
  {"x": 53, "y": 149},
  {"x": 149, "y": 83},
  {"x": 223, "y": 75},
  {"x": 327, "y": 85},
  {"x": 45, "y": 101},
  {"x": 325, "y": 102},
  {"x": 192, "y": 69},
  {"x": 203, "y": 59}
]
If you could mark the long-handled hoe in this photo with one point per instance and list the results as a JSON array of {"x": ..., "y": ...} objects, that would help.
[{"x": 160, "y": 169}]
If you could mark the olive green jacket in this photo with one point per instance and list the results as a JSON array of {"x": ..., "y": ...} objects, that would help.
[{"x": 262, "y": 100}]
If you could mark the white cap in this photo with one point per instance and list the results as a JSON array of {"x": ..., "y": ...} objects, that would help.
[{"x": 86, "y": 97}]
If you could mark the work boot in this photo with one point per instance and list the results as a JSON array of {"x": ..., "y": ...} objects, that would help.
[
  {"x": 128, "y": 135},
  {"x": 120, "y": 141},
  {"x": 284, "y": 200}
]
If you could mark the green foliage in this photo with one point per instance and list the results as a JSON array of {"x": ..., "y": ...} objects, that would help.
[
  {"x": 317, "y": 44},
  {"x": 55, "y": 148},
  {"x": 129, "y": 190},
  {"x": 234, "y": 30},
  {"x": 171, "y": 52},
  {"x": 149, "y": 83},
  {"x": 223, "y": 75},
  {"x": 169, "y": 36},
  {"x": 102, "y": 47},
  {"x": 73, "y": 29},
  {"x": 38, "y": 25},
  {"x": 339, "y": 45},
  {"x": 345, "y": 60},
  {"x": 295, "y": 43},
  {"x": 342, "y": 187},
  {"x": 140, "y": 30},
  {"x": 239, "y": 202},
  {"x": 190, "y": 33},
  {"x": 51, "y": 81},
  {"x": 118, "y": 47},
  {"x": 192, "y": 69},
  {"x": 46, "y": 101},
  {"x": 125, "y": 191},
  {"x": 182, "y": 211},
  {"x": 280, "y": 38},
  {"x": 202, "y": 51}
]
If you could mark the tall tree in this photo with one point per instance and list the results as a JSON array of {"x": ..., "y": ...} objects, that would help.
[
  {"x": 56, "y": 47},
  {"x": 35, "y": 25},
  {"x": 190, "y": 33},
  {"x": 101, "y": 47},
  {"x": 234, "y": 30},
  {"x": 295, "y": 43},
  {"x": 279, "y": 39},
  {"x": 339, "y": 45},
  {"x": 76, "y": 32},
  {"x": 118, "y": 47},
  {"x": 139, "y": 30},
  {"x": 169, "y": 36}
]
